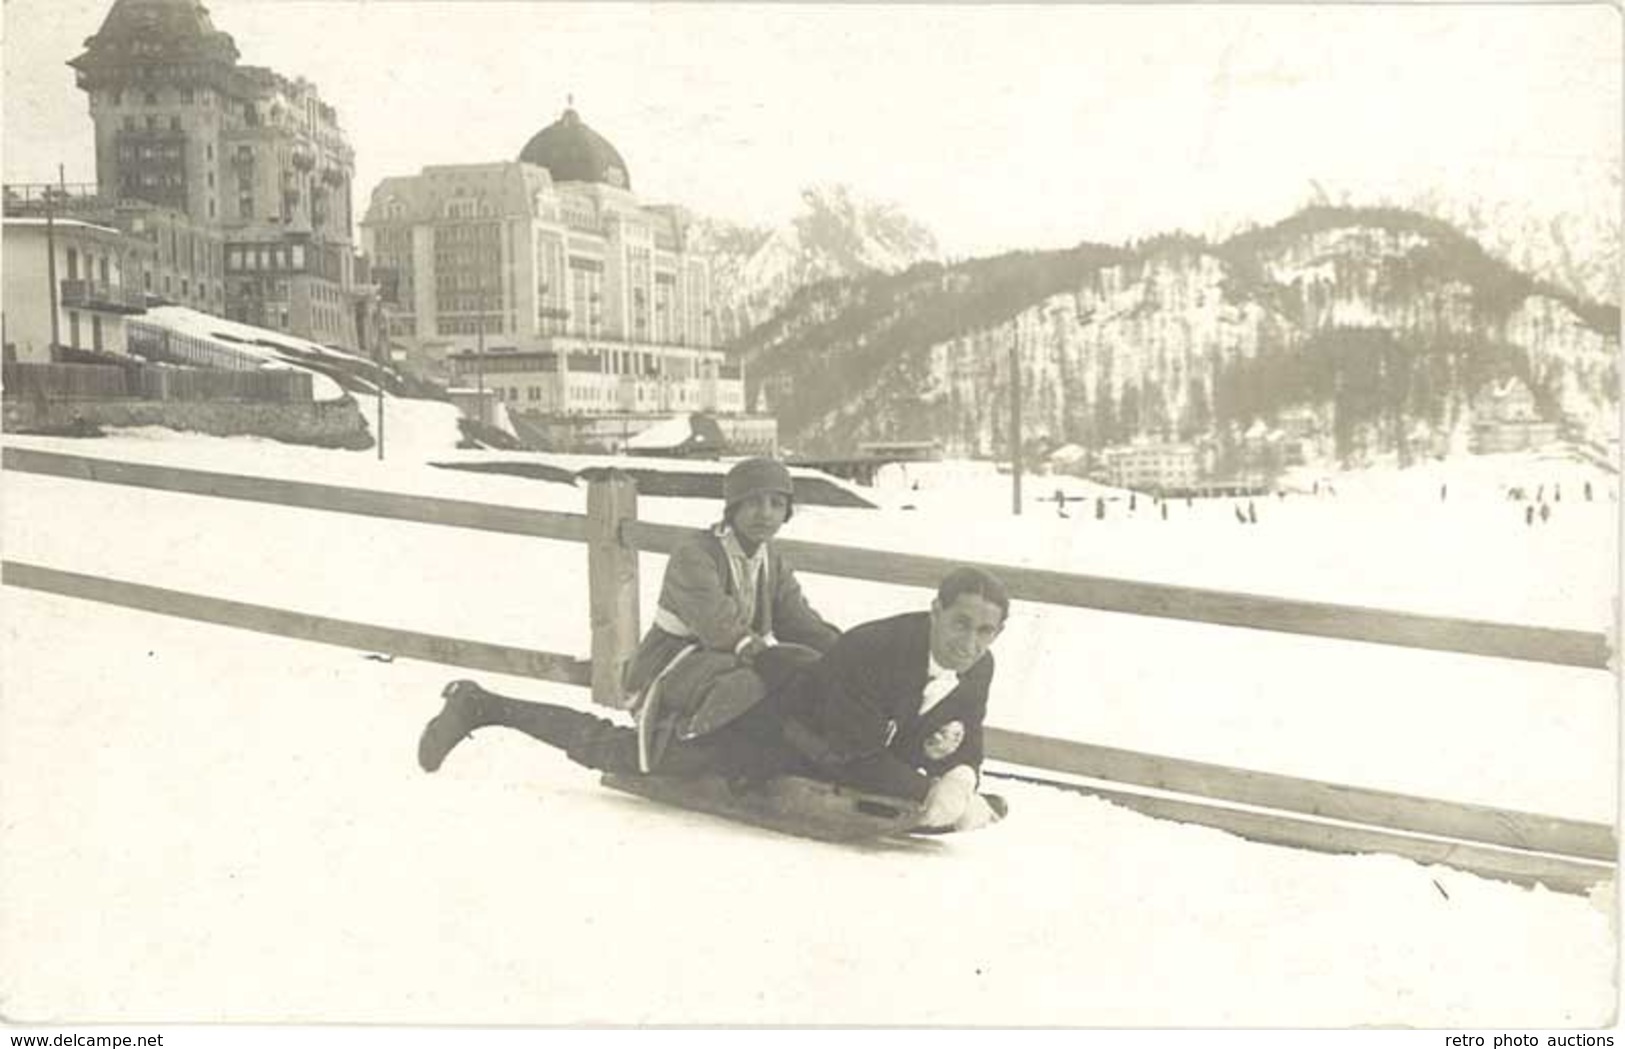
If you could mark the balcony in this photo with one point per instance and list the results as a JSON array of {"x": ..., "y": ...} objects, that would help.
[
  {"x": 99, "y": 295},
  {"x": 75, "y": 198}
]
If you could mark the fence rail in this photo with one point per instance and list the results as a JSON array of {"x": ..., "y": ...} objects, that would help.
[
  {"x": 1334, "y": 801},
  {"x": 1561, "y": 873},
  {"x": 1566, "y": 855},
  {"x": 304, "y": 626},
  {"x": 489, "y": 517},
  {"x": 1216, "y": 607},
  {"x": 1348, "y": 622}
]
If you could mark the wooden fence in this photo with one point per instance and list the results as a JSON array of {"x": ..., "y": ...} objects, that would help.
[
  {"x": 60, "y": 382},
  {"x": 202, "y": 384},
  {"x": 1567, "y": 855},
  {"x": 163, "y": 344}
]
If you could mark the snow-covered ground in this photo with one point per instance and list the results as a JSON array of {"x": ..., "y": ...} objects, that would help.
[{"x": 186, "y": 804}]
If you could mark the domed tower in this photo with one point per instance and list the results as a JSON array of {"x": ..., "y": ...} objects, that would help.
[
  {"x": 573, "y": 152},
  {"x": 242, "y": 175},
  {"x": 149, "y": 71},
  {"x": 138, "y": 33}
]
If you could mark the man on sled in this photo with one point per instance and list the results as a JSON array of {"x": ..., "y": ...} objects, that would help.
[{"x": 892, "y": 709}]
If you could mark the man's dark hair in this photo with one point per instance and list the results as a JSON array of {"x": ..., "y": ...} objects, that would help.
[{"x": 976, "y": 581}]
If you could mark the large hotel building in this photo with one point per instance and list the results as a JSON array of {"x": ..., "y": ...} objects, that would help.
[
  {"x": 236, "y": 177},
  {"x": 548, "y": 283}
]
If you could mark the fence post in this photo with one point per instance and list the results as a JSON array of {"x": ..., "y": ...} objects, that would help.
[{"x": 612, "y": 580}]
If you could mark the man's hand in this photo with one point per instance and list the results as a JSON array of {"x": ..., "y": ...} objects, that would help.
[
  {"x": 978, "y": 814},
  {"x": 949, "y": 796}
]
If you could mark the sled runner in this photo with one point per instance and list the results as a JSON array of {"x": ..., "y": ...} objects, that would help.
[{"x": 789, "y": 804}]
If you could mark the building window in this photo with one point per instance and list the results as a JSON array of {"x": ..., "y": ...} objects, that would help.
[
  {"x": 152, "y": 123},
  {"x": 129, "y": 123},
  {"x": 174, "y": 123},
  {"x": 73, "y": 329},
  {"x": 151, "y": 98},
  {"x": 118, "y": 98},
  {"x": 96, "y": 332},
  {"x": 208, "y": 147},
  {"x": 211, "y": 207},
  {"x": 186, "y": 94}
]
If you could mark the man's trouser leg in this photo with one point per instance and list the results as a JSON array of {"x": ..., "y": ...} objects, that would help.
[{"x": 598, "y": 743}]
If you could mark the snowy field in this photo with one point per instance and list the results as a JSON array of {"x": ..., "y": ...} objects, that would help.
[{"x": 187, "y": 804}]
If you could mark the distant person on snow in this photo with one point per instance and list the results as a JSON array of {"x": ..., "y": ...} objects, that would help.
[{"x": 895, "y": 707}]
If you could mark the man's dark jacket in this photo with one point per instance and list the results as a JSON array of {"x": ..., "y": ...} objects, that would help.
[{"x": 861, "y": 702}]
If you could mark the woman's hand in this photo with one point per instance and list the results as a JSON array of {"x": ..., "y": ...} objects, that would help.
[{"x": 749, "y": 649}]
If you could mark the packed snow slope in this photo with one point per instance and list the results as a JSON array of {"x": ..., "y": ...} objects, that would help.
[
  {"x": 206, "y": 824},
  {"x": 209, "y": 824}
]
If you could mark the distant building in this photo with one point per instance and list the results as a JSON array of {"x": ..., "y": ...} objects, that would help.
[
  {"x": 902, "y": 451},
  {"x": 1266, "y": 450},
  {"x": 548, "y": 281},
  {"x": 91, "y": 292},
  {"x": 169, "y": 257},
  {"x": 1151, "y": 466},
  {"x": 245, "y": 172},
  {"x": 1506, "y": 418}
]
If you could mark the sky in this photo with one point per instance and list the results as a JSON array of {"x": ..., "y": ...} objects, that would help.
[{"x": 1001, "y": 126}]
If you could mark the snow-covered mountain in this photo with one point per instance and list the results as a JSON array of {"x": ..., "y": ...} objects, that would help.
[
  {"x": 1364, "y": 324},
  {"x": 836, "y": 234},
  {"x": 1576, "y": 251},
  {"x": 1569, "y": 237}
]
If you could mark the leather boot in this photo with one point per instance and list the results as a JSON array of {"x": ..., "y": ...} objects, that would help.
[{"x": 457, "y": 718}]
